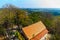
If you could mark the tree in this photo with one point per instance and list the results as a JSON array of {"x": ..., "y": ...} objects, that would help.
[{"x": 35, "y": 16}]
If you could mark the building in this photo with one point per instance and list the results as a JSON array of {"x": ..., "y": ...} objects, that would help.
[{"x": 35, "y": 31}]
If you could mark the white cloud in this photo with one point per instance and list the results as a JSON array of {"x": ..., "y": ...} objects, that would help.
[
  {"x": 42, "y": 3},
  {"x": 49, "y": 3},
  {"x": 35, "y": 3}
]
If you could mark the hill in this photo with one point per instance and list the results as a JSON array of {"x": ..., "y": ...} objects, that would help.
[{"x": 54, "y": 11}]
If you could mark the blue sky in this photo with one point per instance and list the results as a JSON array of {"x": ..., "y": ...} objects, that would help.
[{"x": 32, "y": 3}]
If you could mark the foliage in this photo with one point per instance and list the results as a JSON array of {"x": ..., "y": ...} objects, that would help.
[
  {"x": 15, "y": 16},
  {"x": 19, "y": 35}
]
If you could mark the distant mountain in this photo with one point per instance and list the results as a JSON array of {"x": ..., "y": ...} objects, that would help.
[{"x": 54, "y": 11}]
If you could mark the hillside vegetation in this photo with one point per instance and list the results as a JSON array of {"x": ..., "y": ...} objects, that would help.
[{"x": 15, "y": 16}]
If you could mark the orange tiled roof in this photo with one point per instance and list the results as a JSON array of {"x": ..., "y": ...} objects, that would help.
[
  {"x": 33, "y": 30},
  {"x": 40, "y": 35}
]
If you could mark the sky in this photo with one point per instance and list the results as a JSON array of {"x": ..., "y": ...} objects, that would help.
[{"x": 32, "y": 3}]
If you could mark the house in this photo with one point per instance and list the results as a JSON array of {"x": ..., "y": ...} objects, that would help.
[{"x": 35, "y": 31}]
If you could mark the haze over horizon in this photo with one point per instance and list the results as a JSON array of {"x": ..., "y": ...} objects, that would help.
[{"x": 32, "y": 3}]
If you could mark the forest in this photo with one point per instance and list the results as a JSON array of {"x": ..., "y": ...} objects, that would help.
[{"x": 12, "y": 15}]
